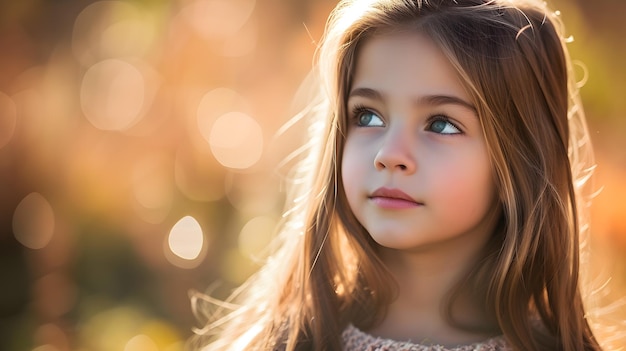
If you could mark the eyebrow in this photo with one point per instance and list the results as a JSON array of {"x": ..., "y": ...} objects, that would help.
[{"x": 435, "y": 100}]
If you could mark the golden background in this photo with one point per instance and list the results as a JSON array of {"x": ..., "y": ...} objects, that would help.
[{"x": 141, "y": 150}]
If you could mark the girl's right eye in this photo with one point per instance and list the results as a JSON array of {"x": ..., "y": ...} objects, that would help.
[{"x": 367, "y": 118}]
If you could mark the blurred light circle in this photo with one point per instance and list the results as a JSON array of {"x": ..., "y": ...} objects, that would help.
[
  {"x": 110, "y": 328},
  {"x": 33, "y": 221},
  {"x": 164, "y": 334},
  {"x": 214, "y": 104},
  {"x": 186, "y": 239},
  {"x": 54, "y": 295},
  {"x": 50, "y": 337},
  {"x": 130, "y": 37},
  {"x": 8, "y": 119},
  {"x": 112, "y": 95},
  {"x": 108, "y": 29},
  {"x": 236, "y": 140},
  {"x": 218, "y": 19},
  {"x": 256, "y": 235},
  {"x": 141, "y": 342}
]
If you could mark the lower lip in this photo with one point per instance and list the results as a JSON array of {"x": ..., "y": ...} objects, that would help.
[{"x": 394, "y": 203}]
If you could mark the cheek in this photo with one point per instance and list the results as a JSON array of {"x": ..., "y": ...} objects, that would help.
[{"x": 466, "y": 183}]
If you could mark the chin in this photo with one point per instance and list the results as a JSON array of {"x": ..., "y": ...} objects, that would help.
[{"x": 395, "y": 241}]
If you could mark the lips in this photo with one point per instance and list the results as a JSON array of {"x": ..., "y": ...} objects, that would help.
[{"x": 393, "y": 199}]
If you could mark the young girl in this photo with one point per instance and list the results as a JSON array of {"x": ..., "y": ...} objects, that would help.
[{"x": 441, "y": 208}]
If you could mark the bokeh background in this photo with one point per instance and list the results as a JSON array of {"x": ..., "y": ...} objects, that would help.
[{"x": 142, "y": 151}]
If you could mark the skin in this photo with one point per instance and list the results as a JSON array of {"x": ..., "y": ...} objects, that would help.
[{"x": 413, "y": 129}]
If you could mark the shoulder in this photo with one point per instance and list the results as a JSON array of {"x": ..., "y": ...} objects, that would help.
[{"x": 357, "y": 340}]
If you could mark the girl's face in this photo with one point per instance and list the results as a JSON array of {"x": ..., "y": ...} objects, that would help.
[{"x": 416, "y": 170}]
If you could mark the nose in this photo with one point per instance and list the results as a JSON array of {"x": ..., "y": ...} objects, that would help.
[{"x": 396, "y": 153}]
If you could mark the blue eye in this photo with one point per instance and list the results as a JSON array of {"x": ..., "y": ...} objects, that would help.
[
  {"x": 367, "y": 118},
  {"x": 441, "y": 125}
]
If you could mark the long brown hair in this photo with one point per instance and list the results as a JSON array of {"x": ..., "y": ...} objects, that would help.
[{"x": 326, "y": 273}]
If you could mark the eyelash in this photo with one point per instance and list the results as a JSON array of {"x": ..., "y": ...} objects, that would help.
[
  {"x": 359, "y": 109},
  {"x": 442, "y": 117}
]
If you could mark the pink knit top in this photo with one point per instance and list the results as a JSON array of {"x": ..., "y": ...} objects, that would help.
[{"x": 357, "y": 340}]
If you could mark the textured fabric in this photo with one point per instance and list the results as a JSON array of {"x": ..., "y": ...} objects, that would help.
[{"x": 357, "y": 340}]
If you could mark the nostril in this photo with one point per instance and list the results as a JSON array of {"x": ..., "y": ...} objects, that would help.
[{"x": 400, "y": 166}]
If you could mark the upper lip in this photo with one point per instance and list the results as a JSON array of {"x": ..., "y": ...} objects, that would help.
[{"x": 393, "y": 194}]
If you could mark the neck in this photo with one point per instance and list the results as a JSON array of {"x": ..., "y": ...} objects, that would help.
[{"x": 425, "y": 280}]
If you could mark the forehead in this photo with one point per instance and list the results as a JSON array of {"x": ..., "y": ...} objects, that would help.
[{"x": 405, "y": 63}]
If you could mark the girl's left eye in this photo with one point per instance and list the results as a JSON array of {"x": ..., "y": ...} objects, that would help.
[{"x": 441, "y": 125}]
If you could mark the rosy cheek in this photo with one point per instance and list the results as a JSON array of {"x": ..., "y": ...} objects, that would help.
[{"x": 465, "y": 177}]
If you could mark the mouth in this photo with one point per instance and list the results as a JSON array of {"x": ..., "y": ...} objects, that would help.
[{"x": 393, "y": 199}]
